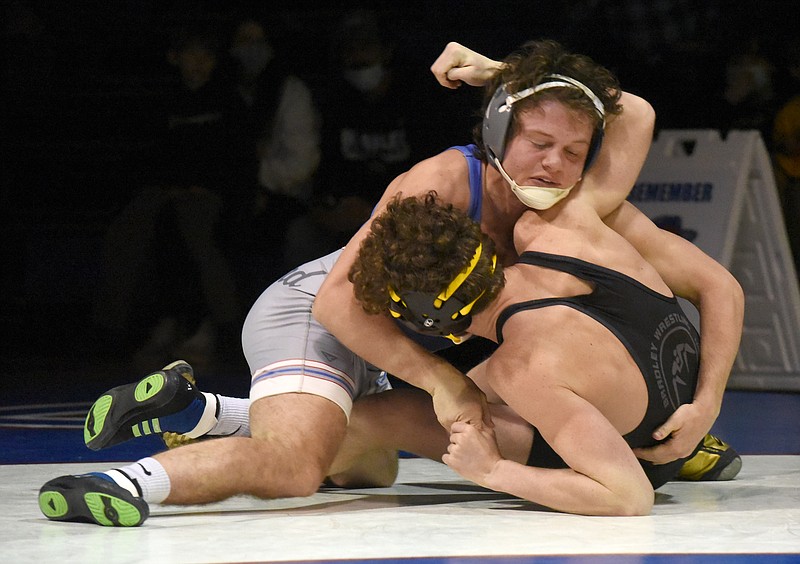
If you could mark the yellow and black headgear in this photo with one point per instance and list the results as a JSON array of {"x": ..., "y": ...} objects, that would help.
[{"x": 439, "y": 314}]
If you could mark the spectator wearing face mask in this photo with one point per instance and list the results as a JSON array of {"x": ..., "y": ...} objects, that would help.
[
  {"x": 280, "y": 125},
  {"x": 370, "y": 123}
]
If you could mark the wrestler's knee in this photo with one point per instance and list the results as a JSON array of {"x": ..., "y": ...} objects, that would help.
[
  {"x": 280, "y": 472},
  {"x": 298, "y": 436},
  {"x": 376, "y": 469}
]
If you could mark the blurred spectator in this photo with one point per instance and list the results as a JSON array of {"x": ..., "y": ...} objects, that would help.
[
  {"x": 370, "y": 134},
  {"x": 749, "y": 92},
  {"x": 785, "y": 141},
  {"x": 281, "y": 125},
  {"x": 786, "y": 155},
  {"x": 787, "y": 74},
  {"x": 168, "y": 288}
]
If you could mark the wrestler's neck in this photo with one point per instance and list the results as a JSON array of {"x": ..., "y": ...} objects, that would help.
[
  {"x": 501, "y": 210},
  {"x": 484, "y": 323}
]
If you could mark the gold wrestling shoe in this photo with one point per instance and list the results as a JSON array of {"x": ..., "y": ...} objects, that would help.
[
  {"x": 174, "y": 440},
  {"x": 716, "y": 461}
]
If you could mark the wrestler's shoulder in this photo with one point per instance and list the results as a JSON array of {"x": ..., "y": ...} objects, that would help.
[{"x": 446, "y": 172}]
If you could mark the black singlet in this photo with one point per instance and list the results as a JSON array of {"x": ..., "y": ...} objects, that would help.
[{"x": 652, "y": 327}]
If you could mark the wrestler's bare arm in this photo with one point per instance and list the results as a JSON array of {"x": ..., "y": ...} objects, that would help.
[
  {"x": 627, "y": 141},
  {"x": 603, "y": 478},
  {"x": 377, "y": 339},
  {"x": 695, "y": 276}
]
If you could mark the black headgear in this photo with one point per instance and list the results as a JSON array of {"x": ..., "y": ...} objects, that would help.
[
  {"x": 438, "y": 314},
  {"x": 497, "y": 118}
]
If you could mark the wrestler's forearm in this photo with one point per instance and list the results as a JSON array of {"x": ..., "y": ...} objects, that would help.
[
  {"x": 571, "y": 492},
  {"x": 721, "y": 318}
]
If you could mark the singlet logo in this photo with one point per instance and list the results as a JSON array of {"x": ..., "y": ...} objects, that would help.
[
  {"x": 674, "y": 356},
  {"x": 295, "y": 278}
]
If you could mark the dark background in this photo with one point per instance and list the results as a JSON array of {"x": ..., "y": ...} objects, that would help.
[{"x": 78, "y": 78}]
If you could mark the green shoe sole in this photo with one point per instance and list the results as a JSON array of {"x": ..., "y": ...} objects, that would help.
[{"x": 89, "y": 498}]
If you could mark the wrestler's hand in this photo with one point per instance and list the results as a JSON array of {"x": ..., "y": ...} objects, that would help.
[
  {"x": 683, "y": 430},
  {"x": 458, "y": 399},
  {"x": 458, "y": 64},
  {"x": 472, "y": 452}
]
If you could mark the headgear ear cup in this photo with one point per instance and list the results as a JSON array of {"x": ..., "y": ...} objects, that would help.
[{"x": 496, "y": 121}]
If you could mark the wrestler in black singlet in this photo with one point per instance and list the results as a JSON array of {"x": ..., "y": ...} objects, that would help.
[{"x": 654, "y": 330}]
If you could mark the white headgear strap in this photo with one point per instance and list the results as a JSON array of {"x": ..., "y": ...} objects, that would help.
[{"x": 560, "y": 81}]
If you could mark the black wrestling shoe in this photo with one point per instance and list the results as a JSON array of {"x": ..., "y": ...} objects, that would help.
[
  {"x": 716, "y": 461},
  {"x": 166, "y": 400},
  {"x": 90, "y": 498}
]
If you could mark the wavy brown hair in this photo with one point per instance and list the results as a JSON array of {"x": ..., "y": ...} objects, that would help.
[
  {"x": 419, "y": 244},
  {"x": 528, "y": 67}
]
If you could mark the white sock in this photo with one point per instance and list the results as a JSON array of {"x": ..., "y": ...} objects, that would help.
[
  {"x": 145, "y": 478},
  {"x": 234, "y": 417},
  {"x": 209, "y": 418}
]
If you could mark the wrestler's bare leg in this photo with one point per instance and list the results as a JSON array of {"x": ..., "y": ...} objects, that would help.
[{"x": 294, "y": 440}]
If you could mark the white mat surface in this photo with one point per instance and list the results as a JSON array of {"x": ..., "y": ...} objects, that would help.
[{"x": 429, "y": 512}]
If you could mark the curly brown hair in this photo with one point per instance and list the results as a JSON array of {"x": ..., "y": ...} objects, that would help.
[
  {"x": 529, "y": 66},
  {"x": 420, "y": 244}
]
